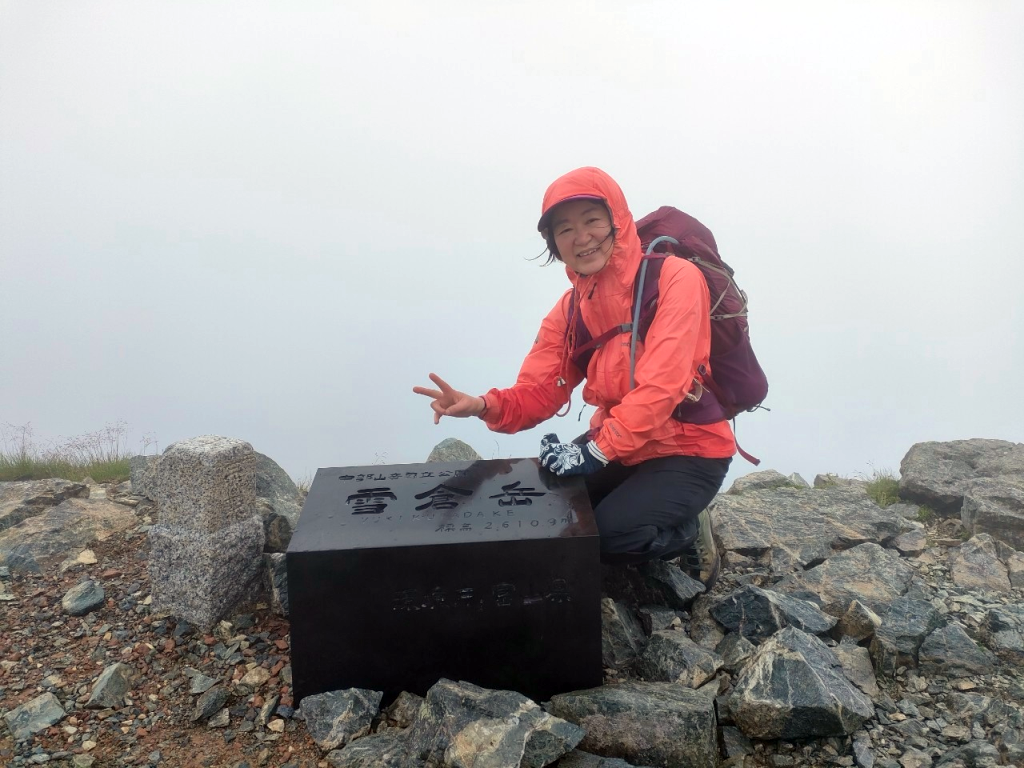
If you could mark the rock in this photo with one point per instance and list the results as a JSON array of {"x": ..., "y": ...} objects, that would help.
[
  {"x": 797, "y": 481},
  {"x": 85, "y": 557},
  {"x": 34, "y": 716},
  {"x": 110, "y": 687},
  {"x": 83, "y": 598},
  {"x": 977, "y": 566},
  {"x": 337, "y": 717},
  {"x": 764, "y": 480},
  {"x": 451, "y": 449},
  {"x": 937, "y": 474},
  {"x": 949, "y": 651},
  {"x": 867, "y": 573},
  {"x": 220, "y": 720},
  {"x": 209, "y": 703},
  {"x": 856, "y": 663},
  {"x": 758, "y": 613},
  {"x": 794, "y": 688},
  {"x": 282, "y": 503},
  {"x": 859, "y": 622},
  {"x": 387, "y": 749},
  {"x": 915, "y": 758},
  {"x": 28, "y": 498},
  {"x": 734, "y": 743},
  {"x": 644, "y": 723},
  {"x": 255, "y": 677},
  {"x": 70, "y": 526},
  {"x": 1015, "y": 570},
  {"x": 201, "y": 683},
  {"x": 996, "y": 507},
  {"x": 911, "y": 543},
  {"x": 735, "y": 651},
  {"x": 798, "y": 529},
  {"x": 403, "y": 710},
  {"x": 580, "y": 759},
  {"x": 464, "y": 725},
  {"x": 622, "y": 638},
  {"x": 904, "y": 627},
  {"x": 655, "y": 582},
  {"x": 1005, "y": 628},
  {"x": 670, "y": 656},
  {"x": 275, "y": 581},
  {"x": 830, "y": 480},
  {"x": 143, "y": 476},
  {"x": 655, "y": 617}
]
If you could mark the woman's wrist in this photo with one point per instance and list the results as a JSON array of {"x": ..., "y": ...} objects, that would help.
[{"x": 483, "y": 407}]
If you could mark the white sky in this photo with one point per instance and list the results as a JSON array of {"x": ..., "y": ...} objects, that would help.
[{"x": 270, "y": 221}]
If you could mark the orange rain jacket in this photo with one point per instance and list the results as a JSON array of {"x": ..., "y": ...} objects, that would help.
[{"x": 635, "y": 425}]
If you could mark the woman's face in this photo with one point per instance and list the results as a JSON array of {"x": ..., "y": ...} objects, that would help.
[{"x": 583, "y": 234}]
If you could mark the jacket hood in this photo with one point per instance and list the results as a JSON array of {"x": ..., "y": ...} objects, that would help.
[{"x": 594, "y": 183}]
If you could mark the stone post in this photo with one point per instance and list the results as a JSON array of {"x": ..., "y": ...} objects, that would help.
[{"x": 208, "y": 543}]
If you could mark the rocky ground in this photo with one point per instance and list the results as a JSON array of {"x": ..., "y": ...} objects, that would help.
[{"x": 839, "y": 634}]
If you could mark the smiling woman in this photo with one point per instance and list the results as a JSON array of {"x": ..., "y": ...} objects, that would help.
[{"x": 649, "y": 476}]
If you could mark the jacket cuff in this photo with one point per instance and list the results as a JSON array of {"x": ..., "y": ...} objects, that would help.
[
  {"x": 604, "y": 446},
  {"x": 492, "y": 409}
]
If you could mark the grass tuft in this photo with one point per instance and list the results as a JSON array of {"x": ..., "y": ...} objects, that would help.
[
  {"x": 884, "y": 487},
  {"x": 925, "y": 514},
  {"x": 102, "y": 455}
]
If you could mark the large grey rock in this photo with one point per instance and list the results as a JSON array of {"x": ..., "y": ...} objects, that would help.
[
  {"x": 937, "y": 474},
  {"x": 996, "y": 506},
  {"x": 28, "y": 498},
  {"x": 580, "y": 759},
  {"x": 904, "y": 627},
  {"x": 110, "y": 687},
  {"x": 856, "y": 663},
  {"x": 337, "y": 717},
  {"x": 82, "y": 598},
  {"x": 735, "y": 651},
  {"x": 656, "y": 582},
  {"x": 386, "y": 749},
  {"x": 797, "y": 528},
  {"x": 950, "y": 651},
  {"x": 764, "y": 480},
  {"x": 644, "y": 723},
  {"x": 280, "y": 503},
  {"x": 670, "y": 656},
  {"x": 275, "y": 581},
  {"x": 451, "y": 449},
  {"x": 859, "y": 622},
  {"x": 143, "y": 475},
  {"x": 466, "y": 726},
  {"x": 794, "y": 688},
  {"x": 210, "y": 703},
  {"x": 867, "y": 573},
  {"x": 1004, "y": 627},
  {"x": 977, "y": 566},
  {"x": 34, "y": 716},
  {"x": 199, "y": 576},
  {"x": 71, "y": 525},
  {"x": 759, "y": 613},
  {"x": 622, "y": 638}
]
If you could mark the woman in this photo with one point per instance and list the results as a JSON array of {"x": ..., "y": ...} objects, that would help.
[{"x": 650, "y": 477}]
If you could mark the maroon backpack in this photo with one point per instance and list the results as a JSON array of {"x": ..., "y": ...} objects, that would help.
[{"x": 736, "y": 382}]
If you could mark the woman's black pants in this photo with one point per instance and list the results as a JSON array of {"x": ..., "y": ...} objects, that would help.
[{"x": 650, "y": 510}]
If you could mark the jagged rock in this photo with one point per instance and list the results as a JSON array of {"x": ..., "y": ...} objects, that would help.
[
  {"x": 644, "y": 723},
  {"x": 996, "y": 506},
  {"x": 829, "y": 480},
  {"x": 275, "y": 569},
  {"x": 797, "y": 481},
  {"x": 71, "y": 525},
  {"x": 758, "y": 613},
  {"x": 703, "y": 628},
  {"x": 403, "y": 710},
  {"x": 859, "y": 622},
  {"x": 221, "y": 719},
  {"x": 862, "y": 750},
  {"x": 110, "y": 687},
  {"x": 337, "y": 717},
  {"x": 977, "y": 566},
  {"x": 280, "y": 503},
  {"x": 463, "y": 725},
  {"x": 734, "y": 743},
  {"x": 579, "y": 759},
  {"x": 201, "y": 683},
  {"x": 794, "y": 688},
  {"x": 735, "y": 651},
  {"x": 1005, "y": 628},
  {"x": 655, "y": 617},
  {"x": 210, "y": 703},
  {"x": 622, "y": 638},
  {"x": 34, "y": 716},
  {"x": 949, "y": 651},
  {"x": 83, "y": 598},
  {"x": 1015, "y": 570},
  {"x": 867, "y": 573},
  {"x": 856, "y": 662},
  {"x": 451, "y": 449},
  {"x": 143, "y": 471},
  {"x": 797, "y": 528},
  {"x": 27, "y": 498},
  {"x": 904, "y": 627},
  {"x": 911, "y": 543},
  {"x": 655, "y": 582},
  {"x": 937, "y": 474},
  {"x": 764, "y": 480},
  {"x": 670, "y": 656},
  {"x": 388, "y": 749}
]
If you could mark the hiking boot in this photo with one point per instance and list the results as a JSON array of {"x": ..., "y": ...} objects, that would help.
[{"x": 700, "y": 560}]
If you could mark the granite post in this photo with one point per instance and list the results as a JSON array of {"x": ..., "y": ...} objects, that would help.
[{"x": 206, "y": 548}]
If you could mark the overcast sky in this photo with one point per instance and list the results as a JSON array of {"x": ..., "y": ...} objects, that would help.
[{"x": 271, "y": 220}]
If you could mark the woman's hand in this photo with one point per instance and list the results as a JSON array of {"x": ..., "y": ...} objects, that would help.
[{"x": 450, "y": 402}]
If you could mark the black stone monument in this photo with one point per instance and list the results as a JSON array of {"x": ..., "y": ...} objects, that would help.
[{"x": 484, "y": 571}]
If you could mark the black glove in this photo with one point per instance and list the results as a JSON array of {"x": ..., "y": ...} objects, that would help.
[{"x": 566, "y": 459}]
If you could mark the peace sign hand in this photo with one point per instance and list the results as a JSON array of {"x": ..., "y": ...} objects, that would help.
[{"x": 450, "y": 402}]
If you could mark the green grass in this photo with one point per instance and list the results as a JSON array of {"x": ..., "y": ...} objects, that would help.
[
  {"x": 884, "y": 487},
  {"x": 102, "y": 455},
  {"x": 925, "y": 514}
]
